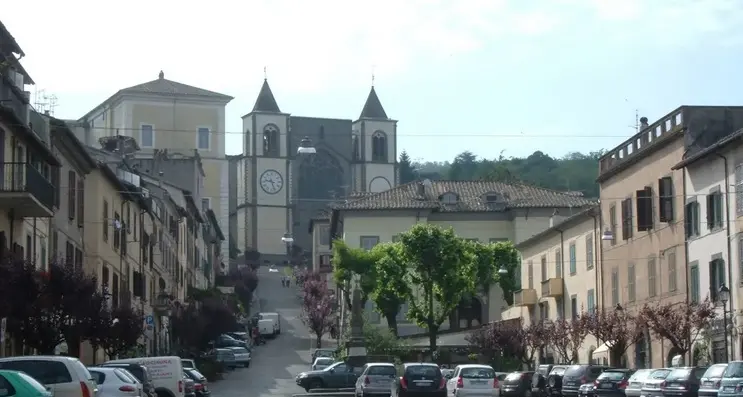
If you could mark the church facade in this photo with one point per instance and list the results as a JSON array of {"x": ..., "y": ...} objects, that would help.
[{"x": 278, "y": 191}]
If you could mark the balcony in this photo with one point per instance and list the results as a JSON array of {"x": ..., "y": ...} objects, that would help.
[
  {"x": 552, "y": 288},
  {"x": 13, "y": 98},
  {"x": 25, "y": 191},
  {"x": 525, "y": 297}
]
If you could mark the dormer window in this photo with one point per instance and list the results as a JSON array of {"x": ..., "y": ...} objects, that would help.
[
  {"x": 449, "y": 198},
  {"x": 492, "y": 198}
]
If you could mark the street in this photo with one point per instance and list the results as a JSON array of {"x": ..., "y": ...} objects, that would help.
[{"x": 276, "y": 363}]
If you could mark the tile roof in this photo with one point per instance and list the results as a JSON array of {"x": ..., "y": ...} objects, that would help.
[
  {"x": 472, "y": 196},
  {"x": 373, "y": 107},
  {"x": 164, "y": 86}
]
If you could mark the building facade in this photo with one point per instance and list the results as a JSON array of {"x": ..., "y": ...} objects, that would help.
[
  {"x": 164, "y": 114},
  {"x": 283, "y": 191},
  {"x": 559, "y": 276},
  {"x": 477, "y": 210}
]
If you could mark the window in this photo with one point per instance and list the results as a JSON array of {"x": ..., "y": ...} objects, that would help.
[
  {"x": 652, "y": 278},
  {"x": 71, "y": 188},
  {"x": 56, "y": 179},
  {"x": 694, "y": 284},
  {"x": 379, "y": 146},
  {"x": 368, "y": 242},
  {"x": 449, "y": 198},
  {"x": 115, "y": 290},
  {"x": 105, "y": 221},
  {"x": 325, "y": 235},
  {"x": 544, "y": 311},
  {"x": 55, "y": 244},
  {"x": 117, "y": 230},
  {"x": 128, "y": 225},
  {"x": 613, "y": 223},
  {"x": 714, "y": 210},
  {"x": 631, "y": 280},
  {"x": 665, "y": 199},
  {"x": 43, "y": 258},
  {"x": 206, "y": 203},
  {"x": 80, "y": 202},
  {"x": 530, "y": 275},
  {"x": 716, "y": 277},
  {"x": 591, "y": 301},
  {"x": 574, "y": 306},
  {"x": 104, "y": 276},
  {"x": 614, "y": 286},
  {"x": 395, "y": 238},
  {"x": 739, "y": 189},
  {"x": 692, "y": 219},
  {"x": 573, "y": 260},
  {"x": 644, "y": 209},
  {"x": 544, "y": 268},
  {"x": 589, "y": 252},
  {"x": 69, "y": 254},
  {"x": 29, "y": 248},
  {"x": 203, "y": 138},
  {"x": 558, "y": 263},
  {"x": 672, "y": 277},
  {"x": 78, "y": 259},
  {"x": 627, "y": 219},
  {"x": 271, "y": 140},
  {"x": 146, "y": 136}
]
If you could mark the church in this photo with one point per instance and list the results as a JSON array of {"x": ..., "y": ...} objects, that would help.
[{"x": 274, "y": 191}]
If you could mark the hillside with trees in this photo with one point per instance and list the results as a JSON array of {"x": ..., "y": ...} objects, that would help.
[{"x": 573, "y": 172}]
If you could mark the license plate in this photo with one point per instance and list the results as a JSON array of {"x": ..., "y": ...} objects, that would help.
[
  {"x": 606, "y": 385},
  {"x": 708, "y": 383},
  {"x": 729, "y": 388},
  {"x": 479, "y": 382},
  {"x": 422, "y": 382}
]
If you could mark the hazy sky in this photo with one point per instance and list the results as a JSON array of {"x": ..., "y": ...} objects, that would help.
[{"x": 479, "y": 75}]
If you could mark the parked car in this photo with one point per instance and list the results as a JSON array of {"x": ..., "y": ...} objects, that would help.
[
  {"x": 473, "y": 379},
  {"x": 517, "y": 384},
  {"x": 200, "y": 386},
  {"x": 226, "y": 357},
  {"x": 652, "y": 385},
  {"x": 140, "y": 372},
  {"x": 243, "y": 336},
  {"x": 683, "y": 382},
  {"x": 612, "y": 382},
  {"x": 375, "y": 379},
  {"x": 337, "y": 376},
  {"x": 577, "y": 375},
  {"x": 275, "y": 318},
  {"x": 586, "y": 390},
  {"x": 420, "y": 380},
  {"x": 224, "y": 341},
  {"x": 323, "y": 353},
  {"x": 242, "y": 356},
  {"x": 116, "y": 382},
  {"x": 731, "y": 379},
  {"x": 322, "y": 363},
  {"x": 188, "y": 363},
  {"x": 189, "y": 388},
  {"x": 166, "y": 371},
  {"x": 635, "y": 382},
  {"x": 64, "y": 376},
  {"x": 553, "y": 382},
  {"x": 712, "y": 380},
  {"x": 21, "y": 385}
]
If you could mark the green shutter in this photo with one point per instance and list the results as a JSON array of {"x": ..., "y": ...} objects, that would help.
[{"x": 694, "y": 273}]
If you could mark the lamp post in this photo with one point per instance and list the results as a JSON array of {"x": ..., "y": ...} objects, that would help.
[{"x": 724, "y": 296}]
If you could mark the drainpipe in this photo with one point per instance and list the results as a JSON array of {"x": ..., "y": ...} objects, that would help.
[
  {"x": 686, "y": 254},
  {"x": 562, "y": 270},
  {"x": 726, "y": 193}
]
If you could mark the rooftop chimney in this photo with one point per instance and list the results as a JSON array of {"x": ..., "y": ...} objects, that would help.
[
  {"x": 421, "y": 189},
  {"x": 643, "y": 123}
]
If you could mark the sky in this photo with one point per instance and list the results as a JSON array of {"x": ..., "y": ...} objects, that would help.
[{"x": 488, "y": 76}]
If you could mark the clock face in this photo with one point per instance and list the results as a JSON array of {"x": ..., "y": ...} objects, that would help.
[{"x": 271, "y": 181}]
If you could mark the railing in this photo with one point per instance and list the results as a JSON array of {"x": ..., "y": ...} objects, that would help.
[
  {"x": 13, "y": 98},
  {"x": 647, "y": 137},
  {"x": 39, "y": 125},
  {"x": 23, "y": 177}
]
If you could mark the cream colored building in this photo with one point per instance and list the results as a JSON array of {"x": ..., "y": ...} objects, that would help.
[
  {"x": 559, "y": 277},
  {"x": 166, "y": 114},
  {"x": 477, "y": 210}
]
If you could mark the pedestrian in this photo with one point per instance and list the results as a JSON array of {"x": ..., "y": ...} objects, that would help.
[{"x": 256, "y": 336}]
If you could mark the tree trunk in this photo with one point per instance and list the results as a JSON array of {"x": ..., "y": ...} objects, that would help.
[
  {"x": 433, "y": 332},
  {"x": 73, "y": 347},
  {"x": 392, "y": 323},
  {"x": 95, "y": 353},
  {"x": 318, "y": 341}
]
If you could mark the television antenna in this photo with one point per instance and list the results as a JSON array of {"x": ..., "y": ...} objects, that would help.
[{"x": 45, "y": 102}]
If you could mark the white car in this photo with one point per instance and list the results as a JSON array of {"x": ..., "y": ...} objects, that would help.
[
  {"x": 166, "y": 371},
  {"x": 322, "y": 363},
  {"x": 242, "y": 356},
  {"x": 273, "y": 270},
  {"x": 116, "y": 382},
  {"x": 64, "y": 376},
  {"x": 473, "y": 380}
]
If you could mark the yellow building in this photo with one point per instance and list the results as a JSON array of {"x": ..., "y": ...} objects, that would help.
[
  {"x": 559, "y": 277},
  {"x": 477, "y": 210}
]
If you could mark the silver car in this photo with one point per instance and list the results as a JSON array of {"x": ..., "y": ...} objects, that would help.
[
  {"x": 322, "y": 363},
  {"x": 242, "y": 356},
  {"x": 375, "y": 379}
]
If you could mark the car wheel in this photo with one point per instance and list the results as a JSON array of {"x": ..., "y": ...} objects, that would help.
[{"x": 315, "y": 384}]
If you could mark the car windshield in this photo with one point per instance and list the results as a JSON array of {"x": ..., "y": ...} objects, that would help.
[
  {"x": 514, "y": 376},
  {"x": 715, "y": 371},
  {"x": 574, "y": 370},
  {"x": 381, "y": 370},
  {"x": 660, "y": 374},
  {"x": 612, "y": 375},
  {"x": 324, "y": 361},
  {"x": 558, "y": 371},
  {"x": 422, "y": 370},
  {"x": 734, "y": 370},
  {"x": 478, "y": 373},
  {"x": 640, "y": 375},
  {"x": 680, "y": 373}
]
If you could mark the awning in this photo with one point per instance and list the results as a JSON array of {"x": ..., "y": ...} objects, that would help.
[{"x": 604, "y": 348}]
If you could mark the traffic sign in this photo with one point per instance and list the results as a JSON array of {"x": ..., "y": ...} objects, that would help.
[{"x": 149, "y": 320}]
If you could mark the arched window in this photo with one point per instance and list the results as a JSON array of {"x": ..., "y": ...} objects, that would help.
[
  {"x": 271, "y": 140},
  {"x": 355, "y": 143},
  {"x": 379, "y": 146}
]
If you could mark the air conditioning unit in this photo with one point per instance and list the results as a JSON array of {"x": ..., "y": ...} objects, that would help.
[{"x": 145, "y": 193}]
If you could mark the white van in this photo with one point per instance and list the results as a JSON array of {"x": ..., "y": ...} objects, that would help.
[
  {"x": 266, "y": 328},
  {"x": 64, "y": 376},
  {"x": 275, "y": 318},
  {"x": 167, "y": 373}
]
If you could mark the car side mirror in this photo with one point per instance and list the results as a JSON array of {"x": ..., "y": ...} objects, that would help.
[
  {"x": 447, "y": 376},
  {"x": 331, "y": 370}
]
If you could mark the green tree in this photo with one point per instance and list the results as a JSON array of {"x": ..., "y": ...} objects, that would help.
[
  {"x": 391, "y": 288},
  {"x": 354, "y": 265},
  {"x": 405, "y": 166},
  {"x": 440, "y": 272},
  {"x": 488, "y": 260}
]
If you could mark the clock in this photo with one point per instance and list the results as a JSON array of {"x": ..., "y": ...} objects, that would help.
[{"x": 271, "y": 181}]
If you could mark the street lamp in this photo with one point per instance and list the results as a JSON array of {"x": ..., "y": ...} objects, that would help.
[
  {"x": 502, "y": 271},
  {"x": 724, "y": 296},
  {"x": 305, "y": 147},
  {"x": 607, "y": 235},
  {"x": 287, "y": 238}
]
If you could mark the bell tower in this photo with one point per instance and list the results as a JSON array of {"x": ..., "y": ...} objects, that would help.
[{"x": 374, "y": 148}]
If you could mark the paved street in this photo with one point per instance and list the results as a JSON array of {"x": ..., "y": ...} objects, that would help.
[{"x": 276, "y": 363}]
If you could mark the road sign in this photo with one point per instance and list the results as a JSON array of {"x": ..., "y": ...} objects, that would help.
[{"x": 149, "y": 320}]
